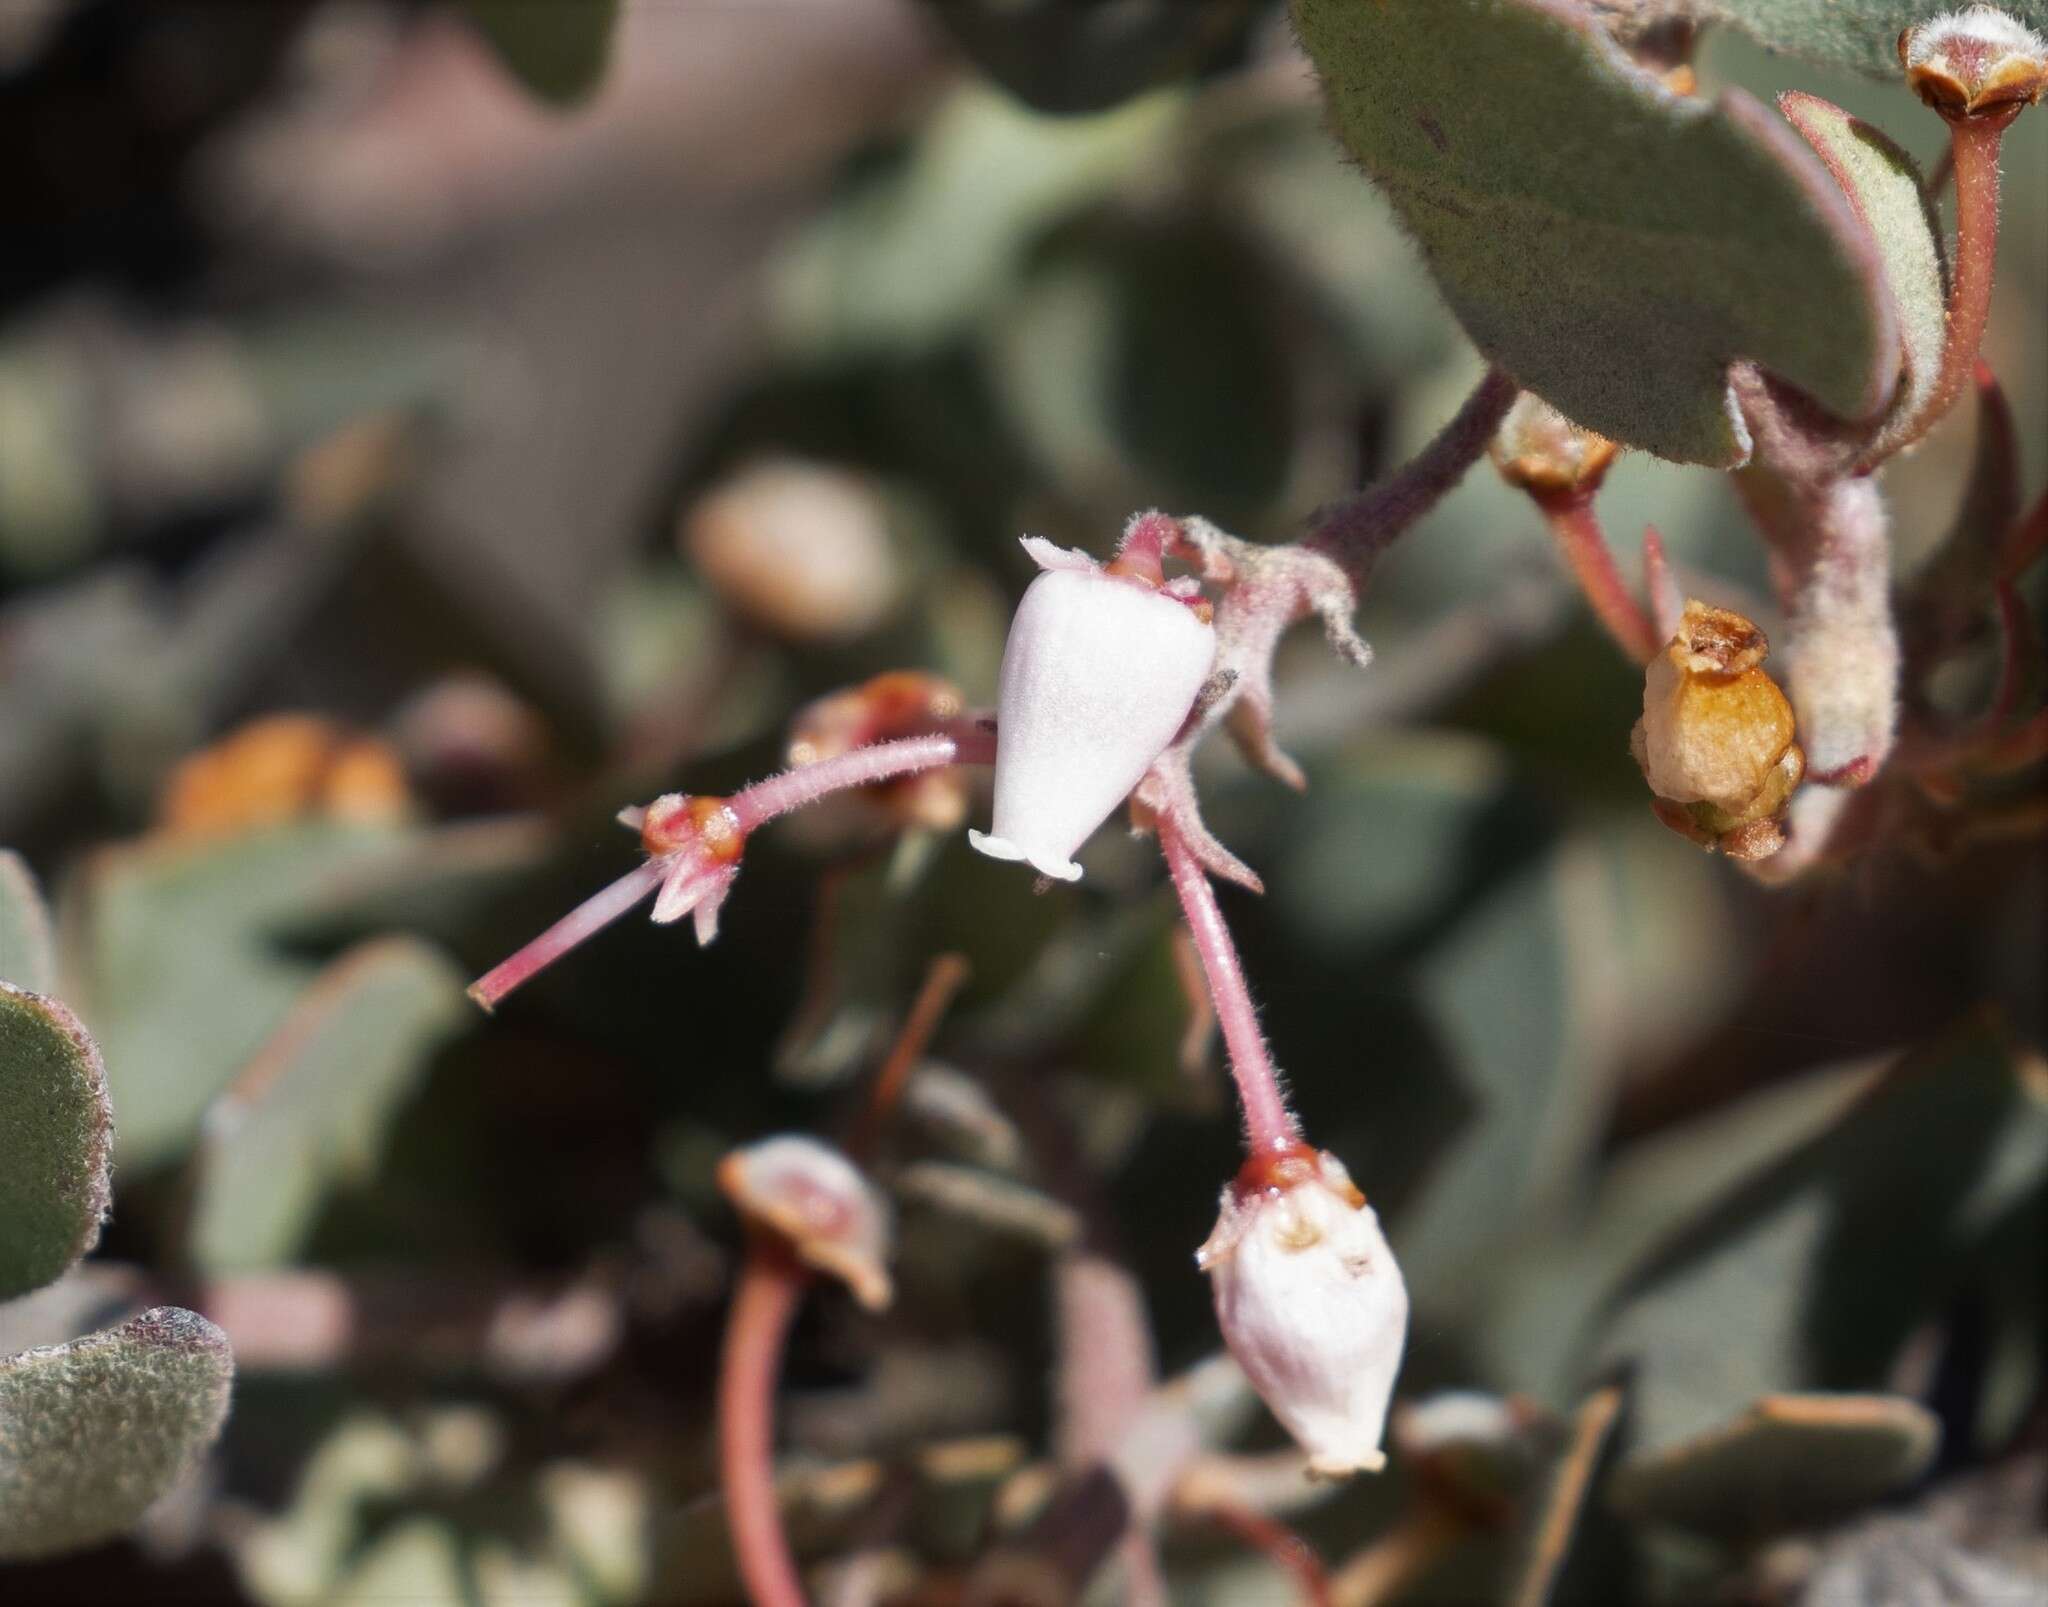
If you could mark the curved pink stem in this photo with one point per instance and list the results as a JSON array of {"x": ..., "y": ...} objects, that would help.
[
  {"x": 1268, "y": 1124},
  {"x": 587, "y": 919},
  {"x": 771, "y": 1287},
  {"x": 767, "y": 800}
]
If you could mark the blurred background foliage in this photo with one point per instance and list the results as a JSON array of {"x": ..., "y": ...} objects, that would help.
[{"x": 360, "y": 417}]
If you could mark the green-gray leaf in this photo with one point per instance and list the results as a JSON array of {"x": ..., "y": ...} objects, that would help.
[
  {"x": 28, "y": 957},
  {"x": 1862, "y": 34},
  {"x": 1790, "y": 1461},
  {"x": 311, "y": 1108},
  {"x": 178, "y": 967},
  {"x": 94, "y": 1431},
  {"x": 556, "y": 48},
  {"x": 56, "y": 1130},
  {"x": 1612, "y": 245},
  {"x": 1885, "y": 187}
]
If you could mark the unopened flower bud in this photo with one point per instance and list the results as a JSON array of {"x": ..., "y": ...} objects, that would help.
[
  {"x": 799, "y": 549},
  {"x": 1715, "y": 741},
  {"x": 1099, "y": 672},
  {"x": 816, "y": 1200},
  {"x": 901, "y": 703},
  {"x": 1975, "y": 65},
  {"x": 1538, "y": 450},
  {"x": 1311, "y": 1304}
]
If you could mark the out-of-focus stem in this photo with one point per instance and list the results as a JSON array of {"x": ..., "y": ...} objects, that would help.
[
  {"x": 587, "y": 919},
  {"x": 1974, "y": 146},
  {"x": 947, "y": 975},
  {"x": 1384, "y": 1569},
  {"x": 1667, "y": 601},
  {"x": 1576, "y": 528},
  {"x": 1268, "y": 1124},
  {"x": 1356, "y": 530},
  {"x": 771, "y": 1286},
  {"x": 1285, "y": 1549}
]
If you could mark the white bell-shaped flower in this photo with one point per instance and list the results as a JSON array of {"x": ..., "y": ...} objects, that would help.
[
  {"x": 1311, "y": 1304},
  {"x": 1100, "y": 671}
]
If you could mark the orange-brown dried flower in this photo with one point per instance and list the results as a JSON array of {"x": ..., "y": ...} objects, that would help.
[
  {"x": 1538, "y": 450},
  {"x": 284, "y": 767},
  {"x": 901, "y": 703},
  {"x": 1975, "y": 65},
  {"x": 1715, "y": 741}
]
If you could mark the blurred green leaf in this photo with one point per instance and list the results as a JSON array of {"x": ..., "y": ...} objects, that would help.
[
  {"x": 556, "y": 48},
  {"x": 92, "y": 1432},
  {"x": 28, "y": 955},
  {"x": 1788, "y": 1462},
  {"x": 417, "y": 1560},
  {"x": 56, "y": 1131},
  {"x": 1117, "y": 370},
  {"x": 1810, "y": 1272},
  {"x": 905, "y": 262},
  {"x": 1066, "y": 56},
  {"x": 170, "y": 945},
  {"x": 1885, "y": 187},
  {"x": 1862, "y": 34},
  {"x": 1613, "y": 245},
  {"x": 310, "y": 1110}
]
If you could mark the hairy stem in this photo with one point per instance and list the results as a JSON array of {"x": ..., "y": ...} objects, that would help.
[
  {"x": 587, "y": 919},
  {"x": 764, "y": 1305},
  {"x": 1576, "y": 528},
  {"x": 780, "y": 795},
  {"x": 1974, "y": 147},
  {"x": 1268, "y": 1123},
  {"x": 1358, "y": 529}
]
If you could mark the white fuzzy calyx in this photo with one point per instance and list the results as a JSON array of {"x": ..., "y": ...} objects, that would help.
[
  {"x": 1099, "y": 672},
  {"x": 1312, "y": 1306}
]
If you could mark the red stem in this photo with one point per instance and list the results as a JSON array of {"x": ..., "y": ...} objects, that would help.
[
  {"x": 1355, "y": 531},
  {"x": 1268, "y": 1124},
  {"x": 764, "y": 1305},
  {"x": 1974, "y": 146},
  {"x": 587, "y": 919},
  {"x": 1576, "y": 528},
  {"x": 768, "y": 800}
]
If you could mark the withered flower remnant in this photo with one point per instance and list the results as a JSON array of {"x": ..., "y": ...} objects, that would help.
[
  {"x": 1716, "y": 737},
  {"x": 1538, "y": 450},
  {"x": 810, "y": 1196},
  {"x": 1975, "y": 65},
  {"x": 1311, "y": 1303},
  {"x": 899, "y": 703}
]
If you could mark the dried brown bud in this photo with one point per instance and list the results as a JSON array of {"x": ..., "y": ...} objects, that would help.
[
  {"x": 1539, "y": 450},
  {"x": 284, "y": 767},
  {"x": 1715, "y": 741},
  {"x": 1975, "y": 65},
  {"x": 818, "y": 1201},
  {"x": 796, "y": 548},
  {"x": 901, "y": 703}
]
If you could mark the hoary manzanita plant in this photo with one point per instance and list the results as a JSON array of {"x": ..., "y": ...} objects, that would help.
[{"x": 1766, "y": 294}]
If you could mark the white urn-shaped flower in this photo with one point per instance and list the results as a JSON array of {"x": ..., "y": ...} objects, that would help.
[
  {"x": 1311, "y": 1304},
  {"x": 1100, "y": 670}
]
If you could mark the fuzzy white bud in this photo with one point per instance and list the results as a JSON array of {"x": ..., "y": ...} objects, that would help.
[
  {"x": 1099, "y": 672},
  {"x": 1311, "y": 1304}
]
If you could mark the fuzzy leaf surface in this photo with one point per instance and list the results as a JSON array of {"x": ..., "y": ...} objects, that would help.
[
  {"x": 56, "y": 1131},
  {"x": 1613, "y": 245},
  {"x": 94, "y": 1431},
  {"x": 1859, "y": 34}
]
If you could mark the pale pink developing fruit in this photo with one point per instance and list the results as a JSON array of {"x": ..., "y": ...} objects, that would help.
[
  {"x": 1311, "y": 1304},
  {"x": 808, "y": 1194},
  {"x": 1100, "y": 671}
]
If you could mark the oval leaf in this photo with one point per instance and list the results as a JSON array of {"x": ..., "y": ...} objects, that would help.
[
  {"x": 1613, "y": 245},
  {"x": 94, "y": 1431},
  {"x": 312, "y": 1106},
  {"x": 56, "y": 1131},
  {"x": 1862, "y": 34}
]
